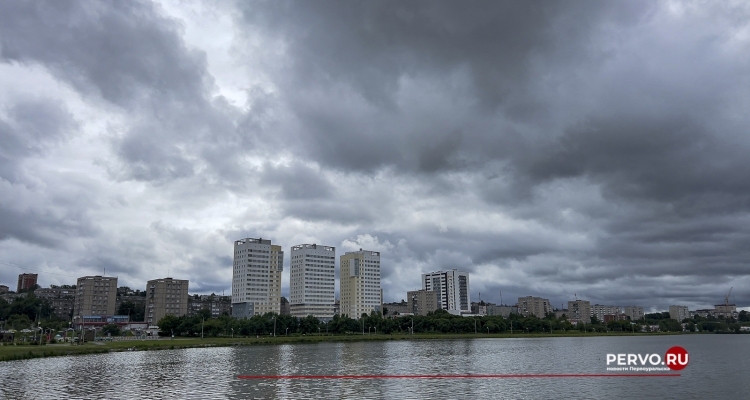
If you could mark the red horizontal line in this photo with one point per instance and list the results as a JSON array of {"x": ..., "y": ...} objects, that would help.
[{"x": 477, "y": 376}]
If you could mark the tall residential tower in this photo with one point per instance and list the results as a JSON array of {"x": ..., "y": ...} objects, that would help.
[
  {"x": 360, "y": 282},
  {"x": 312, "y": 281},
  {"x": 452, "y": 288},
  {"x": 256, "y": 277}
]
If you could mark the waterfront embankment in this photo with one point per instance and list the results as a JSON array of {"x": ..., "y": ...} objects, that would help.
[{"x": 9, "y": 352}]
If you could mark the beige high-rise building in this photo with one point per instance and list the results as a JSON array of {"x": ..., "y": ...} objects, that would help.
[
  {"x": 95, "y": 296},
  {"x": 536, "y": 306},
  {"x": 579, "y": 310},
  {"x": 422, "y": 302},
  {"x": 256, "y": 277},
  {"x": 359, "y": 281},
  {"x": 164, "y": 297}
]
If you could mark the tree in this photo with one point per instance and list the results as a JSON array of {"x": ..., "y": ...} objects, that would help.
[
  {"x": 309, "y": 324},
  {"x": 169, "y": 323},
  {"x": 111, "y": 329},
  {"x": 135, "y": 311}
]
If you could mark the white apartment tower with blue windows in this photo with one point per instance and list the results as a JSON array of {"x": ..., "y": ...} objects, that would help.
[{"x": 312, "y": 281}]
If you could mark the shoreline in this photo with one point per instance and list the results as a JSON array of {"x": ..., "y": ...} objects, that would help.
[{"x": 24, "y": 352}]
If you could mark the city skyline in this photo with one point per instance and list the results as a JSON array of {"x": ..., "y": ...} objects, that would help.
[{"x": 596, "y": 149}]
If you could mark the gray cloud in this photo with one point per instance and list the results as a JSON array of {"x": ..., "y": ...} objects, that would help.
[{"x": 551, "y": 149}]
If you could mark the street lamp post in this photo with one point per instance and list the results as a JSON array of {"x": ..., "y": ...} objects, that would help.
[
  {"x": 203, "y": 320},
  {"x": 274, "y": 326},
  {"x": 287, "y": 332}
]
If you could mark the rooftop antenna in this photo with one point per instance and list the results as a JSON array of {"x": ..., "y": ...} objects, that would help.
[
  {"x": 105, "y": 271},
  {"x": 501, "y": 298}
]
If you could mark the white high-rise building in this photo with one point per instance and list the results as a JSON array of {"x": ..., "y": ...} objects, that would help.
[
  {"x": 256, "y": 277},
  {"x": 312, "y": 282},
  {"x": 452, "y": 288},
  {"x": 360, "y": 283}
]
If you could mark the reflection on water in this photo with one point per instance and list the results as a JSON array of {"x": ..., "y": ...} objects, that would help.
[{"x": 203, "y": 373}]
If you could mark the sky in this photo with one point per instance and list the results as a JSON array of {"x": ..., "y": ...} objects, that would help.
[{"x": 586, "y": 149}]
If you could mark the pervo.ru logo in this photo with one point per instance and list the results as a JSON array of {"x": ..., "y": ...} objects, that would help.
[{"x": 675, "y": 359}]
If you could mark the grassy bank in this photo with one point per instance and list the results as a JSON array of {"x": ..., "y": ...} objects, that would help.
[{"x": 21, "y": 352}]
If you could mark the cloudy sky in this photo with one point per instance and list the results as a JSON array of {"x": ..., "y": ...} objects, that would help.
[{"x": 597, "y": 149}]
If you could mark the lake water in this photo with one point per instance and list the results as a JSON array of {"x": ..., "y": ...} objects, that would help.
[{"x": 718, "y": 368}]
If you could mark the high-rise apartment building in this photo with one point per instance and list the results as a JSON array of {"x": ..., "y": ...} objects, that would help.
[
  {"x": 26, "y": 281},
  {"x": 164, "y": 297},
  {"x": 256, "y": 277},
  {"x": 422, "y": 302},
  {"x": 452, "y": 288},
  {"x": 679, "y": 312},
  {"x": 95, "y": 296},
  {"x": 536, "y": 306},
  {"x": 634, "y": 312},
  {"x": 312, "y": 282},
  {"x": 579, "y": 310},
  {"x": 599, "y": 311},
  {"x": 360, "y": 282}
]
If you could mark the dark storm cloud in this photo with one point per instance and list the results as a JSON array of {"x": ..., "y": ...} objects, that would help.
[
  {"x": 549, "y": 148},
  {"x": 30, "y": 128},
  {"x": 130, "y": 55},
  {"x": 297, "y": 181},
  {"x": 122, "y": 51},
  {"x": 347, "y": 64}
]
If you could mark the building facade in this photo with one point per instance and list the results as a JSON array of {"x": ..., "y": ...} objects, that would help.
[
  {"x": 579, "y": 310},
  {"x": 256, "y": 277},
  {"x": 452, "y": 288},
  {"x": 726, "y": 310},
  {"x": 599, "y": 311},
  {"x": 285, "y": 308},
  {"x": 536, "y": 306},
  {"x": 634, "y": 312},
  {"x": 217, "y": 305},
  {"x": 61, "y": 300},
  {"x": 422, "y": 302},
  {"x": 501, "y": 310},
  {"x": 95, "y": 296},
  {"x": 165, "y": 296},
  {"x": 26, "y": 281},
  {"x": 396, "y": 308},
  {"x": 359, "y": 281},
  {"x": 679, "y": 312},
  {"x": 312, "y": 282}
]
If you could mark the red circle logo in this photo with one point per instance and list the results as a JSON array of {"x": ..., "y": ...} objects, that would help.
[{"x": 676, "y": 358}]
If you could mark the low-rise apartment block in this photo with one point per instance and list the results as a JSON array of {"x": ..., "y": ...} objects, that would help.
[
  {"x": 536, "y": 306},
  {"x": 579, "y": 310},
  {"x": 422, "y": 302},
  {"x": 599, "y": 311},
  {"x": 679, "y": 312}
]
